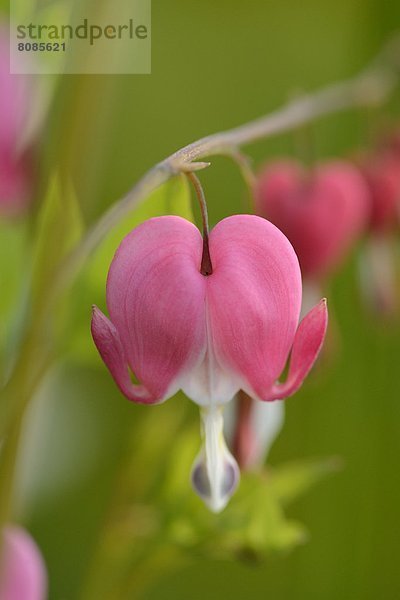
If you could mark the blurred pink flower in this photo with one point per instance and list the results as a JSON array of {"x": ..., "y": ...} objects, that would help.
[
  {"x": 15, "y": 159},
  {"x": 321, "y": 211},
  {"x": 22, "y": 570},
  {"x": 209, "y": 335}
]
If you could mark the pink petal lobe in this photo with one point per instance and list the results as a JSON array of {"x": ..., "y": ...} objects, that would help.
[
  {"x": 22, "y": 571},
  {"x": 109, "y": 345},
  {"x": 307, "y": 344},
  {"x": 253, "y": 300},
  {"x": 155, "y": 297}
]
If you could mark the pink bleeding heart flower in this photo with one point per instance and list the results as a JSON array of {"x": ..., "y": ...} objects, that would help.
[
  {"x": 209, "y": 334},
  {"x": 321, "y": 211},
  {"x": 22, "y": 570},
  {"x": 15, "y": 161}
]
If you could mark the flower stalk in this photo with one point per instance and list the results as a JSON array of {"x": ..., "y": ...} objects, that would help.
[{"x": 206, "y": 264}]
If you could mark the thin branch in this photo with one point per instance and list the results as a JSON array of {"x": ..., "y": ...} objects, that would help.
[{"x": 369, "y": 88}]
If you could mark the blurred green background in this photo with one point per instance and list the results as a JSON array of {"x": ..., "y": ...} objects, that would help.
[{"x": 215, "y": 65}]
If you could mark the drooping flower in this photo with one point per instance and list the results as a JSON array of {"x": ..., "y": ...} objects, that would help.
[
  {"x": 321, "y": 211},
  {"x": 209, "y": 332},
  {"x": 16, "y": 108},
  {"x": 22, "y": 570}
]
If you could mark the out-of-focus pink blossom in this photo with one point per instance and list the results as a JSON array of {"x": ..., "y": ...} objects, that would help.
[
  {"x": 16, "y": 103},
  {"x": 322, "y": 211},
  {"x": 209, "y": 335},
  {"x": 22, "y": 571}
]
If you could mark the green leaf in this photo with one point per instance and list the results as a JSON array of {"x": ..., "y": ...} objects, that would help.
[
  {"x": 254, "y": 523},
  {"x": 13, "y": 268},
  {"x": 294, "y": 479},
  {"x": 27, "y": 279},
  {"x": 58, "y": 230},
  {"x": 12, "y": 259},
  {"x": 252, "y": 526}
]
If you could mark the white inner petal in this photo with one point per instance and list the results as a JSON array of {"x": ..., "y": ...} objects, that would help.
[
  {"x": 208, "y": 383},
  {"x": 267, "y": 420}
]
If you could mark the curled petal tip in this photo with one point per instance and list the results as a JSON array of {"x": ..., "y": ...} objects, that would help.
[
  {"x": 109, "y": 345},
  {"x": 307, "y": 344}
]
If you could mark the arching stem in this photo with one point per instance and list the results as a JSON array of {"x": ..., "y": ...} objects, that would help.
[{"x": 206, "y": 265}]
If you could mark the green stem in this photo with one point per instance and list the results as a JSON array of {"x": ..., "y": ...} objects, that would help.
[
  {"x": 31, "y": 366},
  {"x": 9, "y": 455},
  {"x": 249, "y": 177}
]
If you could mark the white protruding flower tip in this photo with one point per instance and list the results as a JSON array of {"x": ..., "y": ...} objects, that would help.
[{"x": 215, "y": 473}]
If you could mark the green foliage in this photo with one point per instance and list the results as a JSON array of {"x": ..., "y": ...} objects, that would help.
[
  {"x": 295, "y": 478},
  {"x": 253, "y": 524},
  {"x": 13, "y": 272},
  {"x": 59, "y": 228},
  {"x": 157, "y": 522},
  {"x": 30, "y": 265},
  {"x": 12, "y": 261}
]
